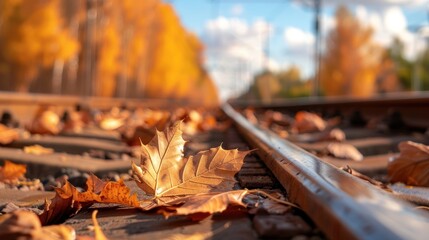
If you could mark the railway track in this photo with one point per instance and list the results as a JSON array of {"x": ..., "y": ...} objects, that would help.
[{"x": 334, "y": 203}]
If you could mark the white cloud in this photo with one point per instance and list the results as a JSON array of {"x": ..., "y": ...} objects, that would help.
[
  {"x": 388, "y": 24},
  {"x": 237, "y": 9},
  {"x": 235, "y": 51},
  {"x": 380, "y": 3},
  {"x": 296, "y": 38}
]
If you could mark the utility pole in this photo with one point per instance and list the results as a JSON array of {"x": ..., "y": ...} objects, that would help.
[
  {"x": 317, "y": 46},
  {"x": 316, "y": 6}
]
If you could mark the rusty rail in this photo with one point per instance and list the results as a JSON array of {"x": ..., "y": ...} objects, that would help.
[{"x": 343, "y": 206}]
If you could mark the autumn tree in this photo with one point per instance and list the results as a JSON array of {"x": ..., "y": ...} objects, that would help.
[
  {"x": 31, "y": 37},
  {"x": 176, "y": 70},
  {"x": 351, "y": 59},
  {"x": 144, "y": 51}
]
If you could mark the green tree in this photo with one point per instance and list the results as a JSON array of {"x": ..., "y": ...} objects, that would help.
[{"x": 403, "y": 67}]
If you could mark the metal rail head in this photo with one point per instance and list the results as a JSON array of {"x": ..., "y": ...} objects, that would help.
[{"x": 343, "y": 206}]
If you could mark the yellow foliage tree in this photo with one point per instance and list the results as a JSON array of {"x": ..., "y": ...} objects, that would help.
[
  {"x": 31, "y": 36},
  {"x": 145, "y": 52},
  {"x": 177, "y": 70},
  {"x": 351, "y": 61}
]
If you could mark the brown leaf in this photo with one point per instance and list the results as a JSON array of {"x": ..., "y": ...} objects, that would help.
[
  {"x": 38, "y": 150},
  {"x": 344, "y": 151},
  {"x": 68, "y": 200},
  {"x": 7, "y": 135},
  {"x": 12, "y": 172},
  {"x": 19, "y": 224},
  {"x": 277, "y": 118},
  {"x": 335, "y": 134},
  {"x": 308, "y": 122},
  {"x": 60, "y": 207},
  {"x": 164, "y": 172},
  {"x": 25, "y": 225},
  {"x": 206, "y": 204},
  {"x": 411, "y": 166},
  {"x": 46, "y": 121},
  {"x": 249, "y": 113}
]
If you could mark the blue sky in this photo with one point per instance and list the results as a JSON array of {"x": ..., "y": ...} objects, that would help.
[{"x": 237, "y": 32}]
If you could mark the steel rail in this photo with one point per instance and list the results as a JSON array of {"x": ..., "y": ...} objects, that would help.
[{"x": 341, "y": 205}]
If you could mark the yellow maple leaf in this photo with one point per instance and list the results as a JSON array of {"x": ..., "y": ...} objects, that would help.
[{"x": 164, "y": 172}]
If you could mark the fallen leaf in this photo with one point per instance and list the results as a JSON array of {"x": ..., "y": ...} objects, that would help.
[
  {"x": 7, "y": 135},
  {"x": 38, "y": 150},
  {"x": 99, "y": 235},
  {"x": 308, "y": 122},
  {"x": 164, "y": 172},
  {"x": 249, "y": 113},
  {"x": 46, "y": 121},
  {"x": 277, "y": 118},
  {"x": 73, "y": 121},
  {"x": 111, "y": 123},
  {"x": 68, "y": 200},
  {"x": 335, "y": 134},
  {"x": 60, "y": 207},
  {"x": 411, "y": 166},
  {"x": 19, "y": 224},
  {"x": 12, "y": 172},
  {"x": 25, "y": 225},
  {"x": 207, "y": 204},
  {"x": 344, "y": 151}
]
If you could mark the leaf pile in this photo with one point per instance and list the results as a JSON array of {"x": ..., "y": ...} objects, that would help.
[{"x": 411, "y": 166}]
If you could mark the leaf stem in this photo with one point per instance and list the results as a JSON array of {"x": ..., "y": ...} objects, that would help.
[
  {"x": 422, "y": 207},
  {"x": 273, "y": 198}
]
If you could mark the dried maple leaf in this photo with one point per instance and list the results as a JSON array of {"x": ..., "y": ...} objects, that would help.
[
  {"x": 207, "y": 204},
  {"x": 68, "y": 200},
  {"x": 7, "y": 135},
  {"x": 12, "y": 172},
  {"x": 38, "y": 150},
  {"x": 164, "y": 172},
  {"x": 411, "y": 166}
]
